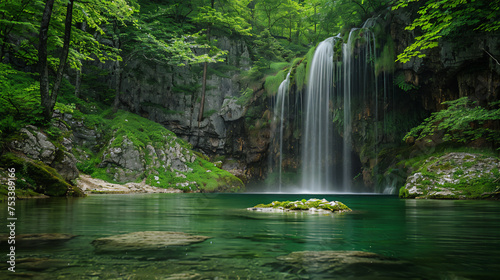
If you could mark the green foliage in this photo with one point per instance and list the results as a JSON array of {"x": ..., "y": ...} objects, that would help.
[
  {"x": 447, "y": 18},
  {"x": 300, "y": 74},
  {"x": 385, "y": 62},
  {"x": 273, "y": 82},
  {"x": 245, "y": 96},
  {"x": 268, "y": 49},
  {"x": 19, "y": 100},
  {"x": 463, "y": 121},
  {"x": 400, "y": 81},
  {"x": 225, "y": 21}
]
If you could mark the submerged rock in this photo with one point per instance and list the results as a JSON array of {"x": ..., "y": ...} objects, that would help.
[
  {"x": 311, "y": 205},
  {"x": 336, "y": 262},
  {"x": 32, "y": 240},
  {"x": 146, "y": 240},
  {"x": 455, "y": 176}
]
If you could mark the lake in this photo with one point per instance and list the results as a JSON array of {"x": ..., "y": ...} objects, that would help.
[{"x": 384, "y": 237}]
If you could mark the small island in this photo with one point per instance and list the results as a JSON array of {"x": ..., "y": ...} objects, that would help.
[{"x": 311, "y": 205}]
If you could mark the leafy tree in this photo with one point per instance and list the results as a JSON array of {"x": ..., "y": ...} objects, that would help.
[
  {"x": 210, "y": 17},
  {"x": 447, "y": 18},
  {"x": 19, "y": 19},
  {"x": 463, "y": 121}
]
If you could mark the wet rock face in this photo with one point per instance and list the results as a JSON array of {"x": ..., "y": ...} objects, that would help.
[
  {"x": 146, "y": 240},
  {"x": 459, "y": 67},
  {"x": 170, "y": 96},
  {"x": 455, "y": 176}
]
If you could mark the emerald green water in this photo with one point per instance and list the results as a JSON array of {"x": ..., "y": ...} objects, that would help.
[{"x": 424, "y": 239}]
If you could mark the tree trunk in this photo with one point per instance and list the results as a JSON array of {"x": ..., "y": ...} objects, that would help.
[
  {"x": 78, "y": 82},
  {"x": 42, "y": 58},
  {"x": 118, "y": 70},
  {"x": 78, "y": 78},
  {"x": 48, "y": 99},
  {"x": 203, "y": 89},
  {"x": 204, "y": 82}
]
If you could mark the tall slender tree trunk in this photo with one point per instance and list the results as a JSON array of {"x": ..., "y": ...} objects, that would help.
[
  {"x": 42, "y": 58},
  {"x": 48, "y": 99},
  {"x": 78, "y": 82},
  {"x": 204, "y": 82},
  {"x": 118, "y": 70},
  {"x": 78, "y": 78}
]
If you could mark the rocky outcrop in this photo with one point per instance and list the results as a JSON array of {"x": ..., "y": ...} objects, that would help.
[
  {"x": 44, "y": 165},
  {"x": 169, "y": 95},
  {"x": 459, "y": 66},
  {"x": 34, "y": 175},
  {"x": 455, "y": 176},
  {"x": 146, "y": 155},
  {"x": 35, "y": 144},
  {"x": 91, "y": 185}
]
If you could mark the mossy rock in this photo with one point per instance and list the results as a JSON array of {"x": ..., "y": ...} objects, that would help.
[
  {"x": 45, "y": 178},
  {"x": 312, "y": 205},
  {"x": 455, "y": 175}
]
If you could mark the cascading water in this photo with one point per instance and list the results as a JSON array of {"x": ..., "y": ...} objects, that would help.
[
  {"x": 341, "y": 108},
  {"x": 279, "y": 111},
  {"x": 316, "y": 153}
]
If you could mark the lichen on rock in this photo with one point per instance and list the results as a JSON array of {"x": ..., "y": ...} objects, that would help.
[{"x": 455, "y": 175}]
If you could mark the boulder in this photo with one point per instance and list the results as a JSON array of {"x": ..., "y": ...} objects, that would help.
[
  {"x": 456, "y": 175},
  {"x": 33, "y": 143}
]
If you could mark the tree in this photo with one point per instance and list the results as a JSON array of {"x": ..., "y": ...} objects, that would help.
[
  {"x": 48, "y": 98},
  {"x": 19, "y": 19},
  {"x": 210, "y": 17},
  {"x": 447, "y": 18}
]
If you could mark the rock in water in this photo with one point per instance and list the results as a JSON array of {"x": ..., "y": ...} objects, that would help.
[
  {"x": 338, "y": 262},
  {"x": 146, "y": 240},
  {"x": 311, "y": 205}
]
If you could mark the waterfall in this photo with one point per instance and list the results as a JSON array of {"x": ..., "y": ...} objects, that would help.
[
  {"x": 316, "y": 153},
  {"x": 279, "y": 111},
  {"x": 347, "y": 127},
  {"x": 342, "y": 106}
]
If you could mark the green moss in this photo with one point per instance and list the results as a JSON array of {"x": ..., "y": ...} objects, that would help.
[
  {"x": 306, "y": 205},
  {"x": 403, "y": 192},
  {"x": 273, "y": 82},
  {"x": 46, "y": 180}
]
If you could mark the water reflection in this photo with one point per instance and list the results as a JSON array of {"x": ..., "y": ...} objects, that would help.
[{"x": 439, "y": 238}]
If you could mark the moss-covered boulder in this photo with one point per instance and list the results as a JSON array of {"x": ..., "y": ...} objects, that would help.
[
  {"x": 311, "y": 205},
  {"x": 456, "y": 175},
  {"x": 36, "y": 177}
]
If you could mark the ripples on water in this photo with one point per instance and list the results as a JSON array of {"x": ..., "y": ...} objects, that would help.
[{"x": 417, "y": 239}]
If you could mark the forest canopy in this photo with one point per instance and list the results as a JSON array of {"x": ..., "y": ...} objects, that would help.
[{"x": 52, "y": 40}]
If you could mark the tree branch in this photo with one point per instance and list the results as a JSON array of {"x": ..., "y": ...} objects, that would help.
[{"x": 491, "y": 56}]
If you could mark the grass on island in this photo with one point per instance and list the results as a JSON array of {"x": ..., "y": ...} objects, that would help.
[{"x": 303, "y": 204}]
